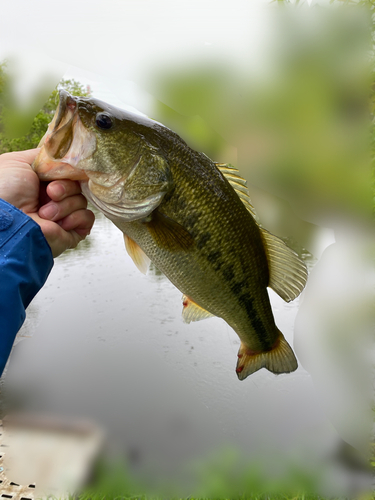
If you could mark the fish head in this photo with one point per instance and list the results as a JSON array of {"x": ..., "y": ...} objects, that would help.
[{"x": 93, "y": 142}]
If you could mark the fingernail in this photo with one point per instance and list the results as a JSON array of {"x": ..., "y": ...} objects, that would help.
[
  {"x": 83, "y": 232},
  {"x": 58, "y": 190},
  {"x": 48, "y": 211}
]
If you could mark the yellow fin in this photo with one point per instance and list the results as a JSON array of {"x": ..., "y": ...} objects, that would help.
[
  {"x": 238, "y": 183},
  {"x": 192, "y": 312},
  {"x": 140, "y": 259},
  {"x": 169, "y": 234},
  {"x": 288, "y": 273},
  {"x": 280, "y": 359}
]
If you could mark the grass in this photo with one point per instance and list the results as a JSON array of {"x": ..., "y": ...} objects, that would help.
[{"x": 216, "y": 482}]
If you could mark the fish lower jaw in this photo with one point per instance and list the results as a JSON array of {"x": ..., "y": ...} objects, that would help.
[{"x": 52, "y": 172}]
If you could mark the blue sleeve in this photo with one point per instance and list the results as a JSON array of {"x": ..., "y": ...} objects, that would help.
[{"x": 25, "y": 263}]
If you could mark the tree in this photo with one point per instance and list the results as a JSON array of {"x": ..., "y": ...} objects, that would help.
[{"x": 41, "y": 120}]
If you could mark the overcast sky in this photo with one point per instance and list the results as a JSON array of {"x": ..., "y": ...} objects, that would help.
[{"x": 111, "y": 44}]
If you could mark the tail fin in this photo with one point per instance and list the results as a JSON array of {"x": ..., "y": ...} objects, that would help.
[{"x": 280, "y": 359}]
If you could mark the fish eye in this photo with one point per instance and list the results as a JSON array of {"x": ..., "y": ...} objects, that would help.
[{"x": 103, "y": 121}]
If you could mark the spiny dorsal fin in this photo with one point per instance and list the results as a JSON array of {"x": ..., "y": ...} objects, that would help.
[
  {"x": 288, "y": 272},
  {"x": 238, "y": 183},
  {"x": 140, "y": 259},
  {"x": 280, "y": 359},
  {"x": 192, "y": 312}
]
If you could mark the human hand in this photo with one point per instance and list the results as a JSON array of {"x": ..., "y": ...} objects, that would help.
[{"x": 58, "y": 207}]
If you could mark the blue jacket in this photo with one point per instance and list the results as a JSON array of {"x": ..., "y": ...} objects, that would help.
[{"x": 25, "y": 263}]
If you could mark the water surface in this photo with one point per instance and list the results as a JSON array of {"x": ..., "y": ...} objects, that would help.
[{"x": 103, "y": 341}]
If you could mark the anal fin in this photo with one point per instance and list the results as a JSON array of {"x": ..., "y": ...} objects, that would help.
[
  {"x": 280, "y": 359},
  {"x": 192, "y": 311},
  {"x": 140, "y": 259}
]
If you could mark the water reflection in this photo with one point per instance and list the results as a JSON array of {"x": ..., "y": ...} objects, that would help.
[{"x": 155, "y": 272}]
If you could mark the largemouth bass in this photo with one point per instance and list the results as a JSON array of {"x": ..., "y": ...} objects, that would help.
[{"x": 188, "y": 215}]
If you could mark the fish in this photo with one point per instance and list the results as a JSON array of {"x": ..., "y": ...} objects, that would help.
[{"x": 188, "y": 215}]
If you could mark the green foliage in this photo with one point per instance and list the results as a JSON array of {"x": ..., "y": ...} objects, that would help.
[
  {"x": 223, "y": 476},
  {"x": 40, "y": 122},
  {"x": 4, "y": 83},
  {"x": 71, "y": 86},
  {"x": 112, "y": 481}
]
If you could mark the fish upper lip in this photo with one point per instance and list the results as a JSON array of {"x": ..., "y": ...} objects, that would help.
[
  {"x": 67, "y": 114},
  {"x": 66, "y": 101}
]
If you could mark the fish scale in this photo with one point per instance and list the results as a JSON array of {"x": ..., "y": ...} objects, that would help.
[
  {"x": 230, "y": 227},
  {"x": 191, "y": 217}
]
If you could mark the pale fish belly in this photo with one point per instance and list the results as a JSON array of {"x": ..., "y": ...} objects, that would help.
[{"x": 197, "y": 277}]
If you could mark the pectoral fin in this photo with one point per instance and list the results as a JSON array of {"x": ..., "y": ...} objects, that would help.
[
  {"x": 169, "y": 234},
  {"x": 140, "y": 259},
  {"x": 192, "y": 311}
]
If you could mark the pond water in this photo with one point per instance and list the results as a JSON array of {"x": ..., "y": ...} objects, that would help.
[{"x": 103, "y": 341}]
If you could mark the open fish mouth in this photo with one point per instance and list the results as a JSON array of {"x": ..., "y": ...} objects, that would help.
[
  {"x": 66, "y": 142},
  {"x": 66, "y": 146}
]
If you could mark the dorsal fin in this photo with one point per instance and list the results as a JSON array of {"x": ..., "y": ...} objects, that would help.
[
  {"x": 238, "y": 183},
  {"x": 288, "y": 273},
  {"x": 140, "y": 259},
  {"x": 192, "y": 312}
]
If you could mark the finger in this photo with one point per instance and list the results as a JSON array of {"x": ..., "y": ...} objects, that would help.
[
  {"x": 58, "y": 239},
  {"x": 43, "y": 196},
  {"x": 55, "y": 211},
  {"x": 80, "y": 221},
  {"x": 61, "y": 189},
  {"x": 27, "y": 156}
]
